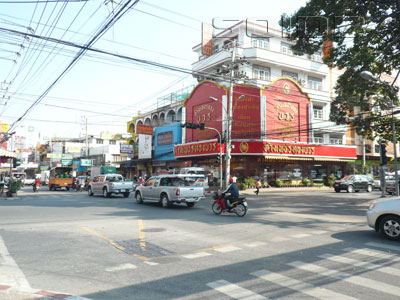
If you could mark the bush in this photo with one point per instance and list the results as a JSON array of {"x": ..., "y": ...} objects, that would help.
[
  {"x": 331, "y": 180},
  {"x": 242, "y": 186},
  {"x": 13, "y": 186},
  {"x": 249, "y": 182},
  {"x": 306, "y": 182},
  {"x": 278, "y": 182}
]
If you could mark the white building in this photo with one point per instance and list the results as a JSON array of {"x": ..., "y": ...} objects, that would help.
[{"x": 269, "y": 57}]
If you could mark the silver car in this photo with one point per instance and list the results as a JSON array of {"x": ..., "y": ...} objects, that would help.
[{"x": 384, "y": 217}]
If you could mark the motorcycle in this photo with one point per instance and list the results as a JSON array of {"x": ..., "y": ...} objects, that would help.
[
  {"x": 239, "y": 207},
  {"x": 80, "y": 187},
  {"x": 35, "y": 187}
]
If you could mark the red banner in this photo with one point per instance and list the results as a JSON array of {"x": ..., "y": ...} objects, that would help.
[
  {"x": 196, "y": 149},
  {"x": 289, "y": 149}
]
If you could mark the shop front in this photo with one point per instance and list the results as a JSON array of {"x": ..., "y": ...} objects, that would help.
[{"x": 270, "y": 160}]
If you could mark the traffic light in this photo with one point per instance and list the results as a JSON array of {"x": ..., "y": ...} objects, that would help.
[
  {"x": 384, "y": 158},
  {"x": 193, "y": 125}
]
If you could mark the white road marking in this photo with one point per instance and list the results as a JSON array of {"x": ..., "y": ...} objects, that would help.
[
  {"x": 151, "y": 263},
  {"x": 342, "y": 276},
  {"x": 318, "y": 232},
  {"x": 278, "y": 239},
  {"x": 121, "y": 267},
  {"x": 255, "y": 244},
  {"x": 306, "y": 288},
  {"x": 196, "y": 255},
  {"x": 390, "y": 247},
  {"x": 10, "y": 273},
  {"x": 300, "y": 235},
  {"x": 363, "y": 264},
  {"x": 373, "y": 253},
  {"x": 234, "y": 291},
  {"x": 227, "y": 249}
]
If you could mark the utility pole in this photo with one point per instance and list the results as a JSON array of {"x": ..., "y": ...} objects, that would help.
[
  {"x": 229, "y": 129},
  {"x": 87, "y": 140}
]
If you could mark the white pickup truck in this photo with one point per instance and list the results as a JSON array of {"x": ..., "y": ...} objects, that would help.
[
  {"x": 108, "y": 184},
  {"x": 172, "y": 188}
]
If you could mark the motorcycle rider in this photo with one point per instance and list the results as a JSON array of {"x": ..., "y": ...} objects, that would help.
[
  {"x": 36, "y": 184},
  {"x": 233, "y": 191}
]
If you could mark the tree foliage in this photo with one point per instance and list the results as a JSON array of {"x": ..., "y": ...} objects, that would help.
[{"x": 365, "y": 36}]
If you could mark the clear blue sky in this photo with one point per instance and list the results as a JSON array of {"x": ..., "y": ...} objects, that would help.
[{"x": 105, "y": 90}]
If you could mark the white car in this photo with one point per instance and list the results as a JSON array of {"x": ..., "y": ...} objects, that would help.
[{"x": 384, "y": 217}]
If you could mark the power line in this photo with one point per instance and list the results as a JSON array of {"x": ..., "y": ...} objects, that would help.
[{"x": 116, "y": 17}]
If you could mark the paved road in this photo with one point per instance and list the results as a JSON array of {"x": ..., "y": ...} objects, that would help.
[{"x": 297, "y": 245}]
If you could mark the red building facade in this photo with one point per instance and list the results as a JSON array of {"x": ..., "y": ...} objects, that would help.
[{"x": 270, "y": 133}]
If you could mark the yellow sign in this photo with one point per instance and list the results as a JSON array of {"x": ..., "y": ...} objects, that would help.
[
  {"x": 244, "y": 147},
  {"x": 4, "y": 127}
]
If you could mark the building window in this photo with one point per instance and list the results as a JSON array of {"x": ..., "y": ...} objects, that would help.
[
  {"x": 316, "y": 57},
  {"x": 336, "y": 141},
  {"x": 314, "y": 83},
  {"x": 99, "y": 141},
  {"x": 290, "y": 75},
  {"x": 318, "y": 139},
  {"x": 261, "y": 73},
  {"x": 377, "y": 149},
  {"x": 113, "y": 142},
  {"x": 368, "y": 148},
  {"x": 318, "y": 113},
  {"x": 286, "y": 48},
  {"x": 259, "y": 42}
]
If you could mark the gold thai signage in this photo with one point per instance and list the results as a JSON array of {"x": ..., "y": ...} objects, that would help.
[
  {"x": 196, "y": 149},
  {"x": 289, "y": 149}
]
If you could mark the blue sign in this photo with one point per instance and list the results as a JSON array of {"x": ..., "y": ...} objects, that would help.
[{"x": 165, "y": 139}]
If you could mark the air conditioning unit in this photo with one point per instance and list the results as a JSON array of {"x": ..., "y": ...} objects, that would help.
[{"x": 302, "y": 82}]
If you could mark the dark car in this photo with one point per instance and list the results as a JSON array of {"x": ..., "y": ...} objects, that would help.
[{"x": 354, "y": 183}]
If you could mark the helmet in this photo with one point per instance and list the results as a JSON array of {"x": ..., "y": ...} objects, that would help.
[{"x": 232, "y": 179}]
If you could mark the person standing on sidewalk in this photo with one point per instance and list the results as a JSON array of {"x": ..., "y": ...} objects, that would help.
[{"x": 258, "y": 185}]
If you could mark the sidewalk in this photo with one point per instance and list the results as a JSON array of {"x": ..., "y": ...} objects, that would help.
[{"x": 281, "y": 190}]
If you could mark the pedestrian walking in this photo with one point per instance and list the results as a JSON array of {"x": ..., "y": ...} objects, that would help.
[{"x": 258, "y": 185}]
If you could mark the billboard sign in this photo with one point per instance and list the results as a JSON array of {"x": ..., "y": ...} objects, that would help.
[
  {"x": 126, "y": 148},
  {"x": 86, "y": 162},
  {"x": 144, "y": 129},
  {"x": 145, "y": 144}
]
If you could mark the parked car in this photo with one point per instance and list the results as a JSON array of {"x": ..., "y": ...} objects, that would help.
[
  {"x": 108, "y": 184},
  {"x": 384, "y": 217},
  {"x": 354, "y": 183},
  {"x": 172, "y": 188}
]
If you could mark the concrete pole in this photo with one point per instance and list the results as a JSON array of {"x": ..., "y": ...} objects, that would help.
[{"x": 229, "y": 131}]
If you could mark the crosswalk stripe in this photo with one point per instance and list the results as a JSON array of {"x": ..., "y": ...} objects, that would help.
[
  {"x": 301, "y": 235},
  {"x": 306, "y": 288},
  {"x": 363, "y": 264},
  {"x": 234, "y": 291},
  {"x": 342, "y": 276},
  {"x": 390, "y": 247},
  {"x": 121, "y": 267},
  {"x": 227, "y": 249},
  {"x": 196, "y": 255},
  {"x": 255, "y": 244},
  {"x": 373, "y": 253}
]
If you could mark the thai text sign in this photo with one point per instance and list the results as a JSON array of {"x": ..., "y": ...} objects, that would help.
[
  {"x": 289, "y": 149},
  {"x": 144, "y": 129},
  {"x": 165, "y": 138},
  {"x": 195, "y": 149},
  {"x": 86, "y": 162},
  {"x": 126, "y": 148}
]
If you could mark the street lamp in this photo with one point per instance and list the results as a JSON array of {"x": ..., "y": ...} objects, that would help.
[
  {"x": 369, "y": 76},
  {"x": 228, "y": 134}
]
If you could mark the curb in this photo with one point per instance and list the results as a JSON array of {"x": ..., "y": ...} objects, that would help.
[{"x": 16, "y": 294}]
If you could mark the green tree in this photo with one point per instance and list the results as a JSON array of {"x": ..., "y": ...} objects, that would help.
[{"x": 365, "y": 36}]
